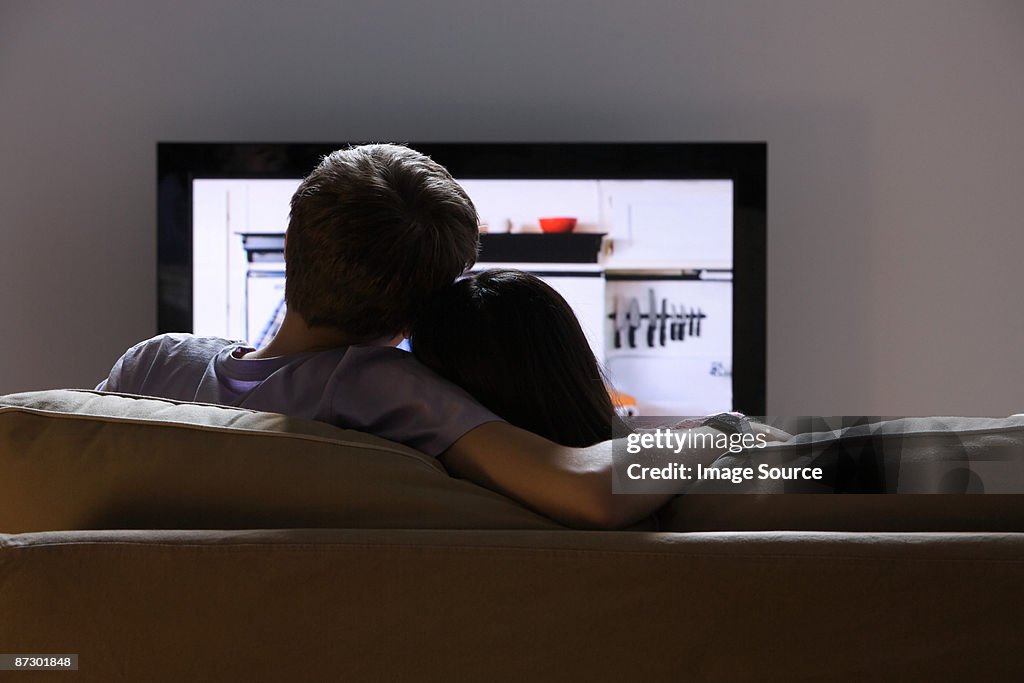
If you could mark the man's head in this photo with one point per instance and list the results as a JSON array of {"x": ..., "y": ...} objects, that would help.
[{"x": 374, "y": 232}]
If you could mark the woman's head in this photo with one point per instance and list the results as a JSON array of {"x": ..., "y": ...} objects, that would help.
[{"x": 512, "y": 342}]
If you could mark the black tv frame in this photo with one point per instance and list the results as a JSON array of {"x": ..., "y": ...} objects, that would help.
[{"x": 745, "y": 163}]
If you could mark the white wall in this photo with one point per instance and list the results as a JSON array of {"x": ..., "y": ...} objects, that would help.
[{"x": 895, "y": 131}]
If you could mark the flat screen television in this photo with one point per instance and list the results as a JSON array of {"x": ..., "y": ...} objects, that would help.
[{"x": 665, "y": 265}]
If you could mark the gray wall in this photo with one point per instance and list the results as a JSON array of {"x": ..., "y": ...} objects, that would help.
[{"x": 895, "y": 132}]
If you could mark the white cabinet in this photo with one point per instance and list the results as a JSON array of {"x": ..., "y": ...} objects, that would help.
[{"x": 669, "y": 224}]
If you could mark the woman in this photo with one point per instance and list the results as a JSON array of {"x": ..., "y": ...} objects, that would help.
[{"x": 514, "y": 344}]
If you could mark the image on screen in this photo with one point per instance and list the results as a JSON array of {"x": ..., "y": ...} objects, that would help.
[{"x": 647, "y": 268}]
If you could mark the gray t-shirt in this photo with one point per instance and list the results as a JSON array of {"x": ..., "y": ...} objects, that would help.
[{"x": 376, "y": 389}]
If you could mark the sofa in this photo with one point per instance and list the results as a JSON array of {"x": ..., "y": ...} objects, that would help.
[{"x": 165, "y": 541}]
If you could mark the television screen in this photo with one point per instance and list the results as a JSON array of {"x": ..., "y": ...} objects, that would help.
[{"x": 658, "y": 248}]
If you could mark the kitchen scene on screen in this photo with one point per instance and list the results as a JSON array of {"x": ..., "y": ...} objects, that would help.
[{"x": 647, "y": 266}]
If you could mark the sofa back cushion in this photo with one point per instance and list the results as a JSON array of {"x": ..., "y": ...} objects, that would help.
[{"x": 88, "y": 460}]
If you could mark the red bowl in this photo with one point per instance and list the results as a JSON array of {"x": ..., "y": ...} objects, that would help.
[{"x": 560, "y": 224}]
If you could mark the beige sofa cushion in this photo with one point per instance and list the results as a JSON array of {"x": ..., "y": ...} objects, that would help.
[{"x": 88, "y": 460}]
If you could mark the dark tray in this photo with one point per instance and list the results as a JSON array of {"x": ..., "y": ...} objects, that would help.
[
  {"x": 261, "y": 246},
  {"x": 573, "y": 247}
]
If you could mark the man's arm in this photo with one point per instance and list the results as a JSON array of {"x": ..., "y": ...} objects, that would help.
[{"x": 573, "y": 486}]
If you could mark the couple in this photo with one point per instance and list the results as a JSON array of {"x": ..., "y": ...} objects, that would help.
[{"x": 501, "y": 386}]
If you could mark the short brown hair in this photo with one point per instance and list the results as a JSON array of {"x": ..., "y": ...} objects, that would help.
[{"x": 374, "y": 232}]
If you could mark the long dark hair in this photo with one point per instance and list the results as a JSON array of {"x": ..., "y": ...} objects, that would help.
[{"x": 515, "y": 345}]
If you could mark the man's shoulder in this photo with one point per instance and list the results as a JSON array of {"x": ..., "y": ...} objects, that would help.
[
  {"x": 388, "y": 392},
  {"x": 168, "y": 365},
  {"x": 384, "y": 363},
  {"x": 177, "y": 349},
  {"x": 374, "y": 353},
  {"x": 183, "y": 343}
]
